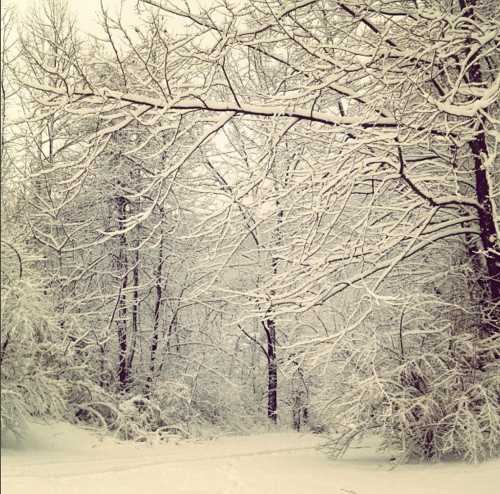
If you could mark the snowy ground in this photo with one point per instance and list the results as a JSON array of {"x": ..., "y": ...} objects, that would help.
[{"x": 62, "y": 459}]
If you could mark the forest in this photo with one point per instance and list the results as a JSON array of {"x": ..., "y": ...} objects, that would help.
[{"x": 241, "y": 215}]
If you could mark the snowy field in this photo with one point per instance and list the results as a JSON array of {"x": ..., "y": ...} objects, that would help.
[{"x": 62, "y": 459}]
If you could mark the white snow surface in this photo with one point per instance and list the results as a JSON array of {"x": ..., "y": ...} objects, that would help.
[{"x": 64, "y": 459}]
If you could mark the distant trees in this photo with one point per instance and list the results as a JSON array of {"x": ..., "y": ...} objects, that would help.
[{"x": 322, "y": 170}]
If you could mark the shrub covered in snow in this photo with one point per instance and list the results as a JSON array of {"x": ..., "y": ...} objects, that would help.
[
  {"x": 32, "y": 356},
  {"x": 431, "y": 389}
]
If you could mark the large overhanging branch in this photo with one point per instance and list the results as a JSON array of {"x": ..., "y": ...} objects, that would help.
[{"x": 197, "y": 103}]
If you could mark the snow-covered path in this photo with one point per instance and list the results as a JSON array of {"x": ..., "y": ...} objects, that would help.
[{"x": 61, "y": 459}]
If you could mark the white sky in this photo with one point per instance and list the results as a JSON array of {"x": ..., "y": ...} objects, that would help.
[{"x": 86, "y": 11}]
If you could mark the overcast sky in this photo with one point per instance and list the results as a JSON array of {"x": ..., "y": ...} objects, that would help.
[{"x": 86, "y": 11}]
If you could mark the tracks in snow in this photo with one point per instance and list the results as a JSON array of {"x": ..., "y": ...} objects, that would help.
[{"x": 132, "y": 463}]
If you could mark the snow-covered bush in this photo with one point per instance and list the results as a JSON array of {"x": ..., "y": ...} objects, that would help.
[
  {"x": 431, "y": 390},
  {"x": 32, "y": 357},
  {"x": 130, "y": 417},
  {"x": 137, "y": 417}
]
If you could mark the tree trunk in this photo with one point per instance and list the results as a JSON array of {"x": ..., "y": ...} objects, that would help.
[
  {"x": 121, "y": 323},
  {"x": 156, "y": 320},
  {"x": 135, "y": 310},
  {"x": 270, "y": 328},
  {"x": 488, "y": 228},
  {"x": 488, "y": 233},
  {"x": 272, "y": 371}
]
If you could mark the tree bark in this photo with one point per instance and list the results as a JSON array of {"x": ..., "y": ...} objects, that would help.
[
  {"x": 272, "y": 371},
  {"x": 488, "y": 228}
]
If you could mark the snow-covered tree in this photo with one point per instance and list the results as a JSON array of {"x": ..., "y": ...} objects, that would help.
[{"x": 330, "y": 169}]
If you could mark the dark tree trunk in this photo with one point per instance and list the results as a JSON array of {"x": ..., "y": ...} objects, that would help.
[
  {"x": 270, "y": 328},
  {"x": 272, "y": 371},
  {"x": 488, "y": 229},
  {"x": 488, "y": 233}
]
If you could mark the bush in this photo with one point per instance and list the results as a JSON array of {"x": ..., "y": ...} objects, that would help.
[
  {"x": 31, "y": 357},
  {"x": 443, "y": 400}
]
